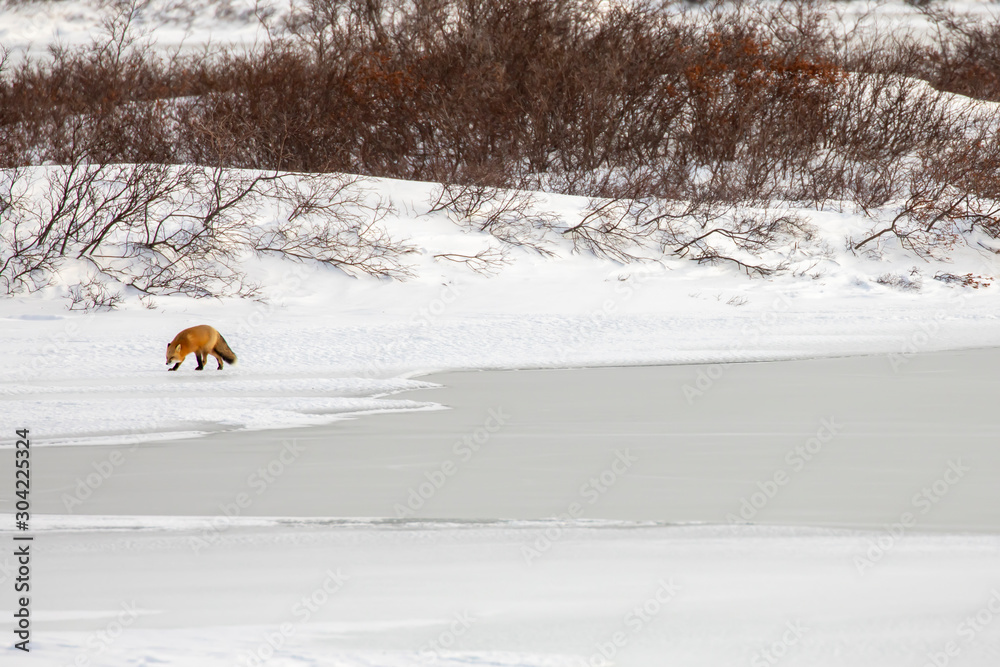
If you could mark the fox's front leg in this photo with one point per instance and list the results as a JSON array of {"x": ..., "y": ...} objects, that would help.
[
  {"x": 200, "y": 356},
  {"x": 175, "y": 367}
]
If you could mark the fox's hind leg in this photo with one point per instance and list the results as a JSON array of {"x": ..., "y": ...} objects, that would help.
[{"x": 218, "y": 358}]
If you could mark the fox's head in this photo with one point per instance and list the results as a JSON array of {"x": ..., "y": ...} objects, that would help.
[{"x": 172, "y": 356}]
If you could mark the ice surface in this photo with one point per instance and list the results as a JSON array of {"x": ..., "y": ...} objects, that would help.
[{"x": 179, "y": 592}]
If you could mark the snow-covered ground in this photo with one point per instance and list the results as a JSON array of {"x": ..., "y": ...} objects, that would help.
[
  {"x": 29, "y": 28},
  {"x": 324, "y": 344},
  {"x": 143, "y": 590},
  {"x": 254, "y": 591}
]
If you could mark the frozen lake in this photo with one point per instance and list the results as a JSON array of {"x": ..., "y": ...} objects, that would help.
[
  {"x": 294, "y": 593},
  {"x": 878, "y": 475},
  {"x": 853, "y": 442}
]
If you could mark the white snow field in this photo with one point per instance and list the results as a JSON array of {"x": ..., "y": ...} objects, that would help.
[
  {"x": 148, "y": 590},
  {"x": 176, "y": 590},
  {"x": 28, "y": 29},
  {"x": 163, "y": 563},
  {"x": 323, "y": 344}
]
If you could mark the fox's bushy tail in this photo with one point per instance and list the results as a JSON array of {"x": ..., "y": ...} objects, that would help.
[{"x": 223, "y": 350}]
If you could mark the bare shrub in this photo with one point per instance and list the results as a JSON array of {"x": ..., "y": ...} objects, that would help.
[
  {"x": 965, "y": 55},
  {"x": 184, "y": 230},
  {"x": 331, "y": 220},
  {"x": 900, "y": 281},
  {"x": 136, "y": 224},
  {"x": 967, "y": 280},
  {"x": 486, "y": 262},
  {"x": 703, "y": 231},
  {"x": 108, "y": 100},
  {"x": 670, "y": 122},
  {"x": 750, "y": 239},
  {"x": 513, "y": 217},
  {"x": 616, "y": 228},
  {"x": 949, "y": 194},
  {"x": 93, "y": 295}
]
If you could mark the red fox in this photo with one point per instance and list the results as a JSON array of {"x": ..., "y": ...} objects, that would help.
[{"x": 203, "y": 340}]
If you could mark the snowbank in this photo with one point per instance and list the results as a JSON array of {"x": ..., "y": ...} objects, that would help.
[{"x": 323, "y": 345}]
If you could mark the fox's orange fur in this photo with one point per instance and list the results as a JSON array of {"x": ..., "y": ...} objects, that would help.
[{"x": 203, "y": 340}]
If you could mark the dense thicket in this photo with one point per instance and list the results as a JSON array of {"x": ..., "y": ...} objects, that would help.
[{"x": 573, "y": 95}]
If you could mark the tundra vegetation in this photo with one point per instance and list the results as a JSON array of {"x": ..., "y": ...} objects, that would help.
[{"x": 690, "y": 130}]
